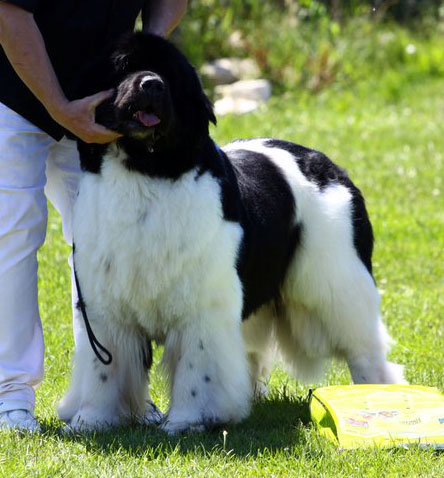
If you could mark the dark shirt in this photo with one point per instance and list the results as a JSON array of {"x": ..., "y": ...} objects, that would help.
[{"x": 73, "y": 30}]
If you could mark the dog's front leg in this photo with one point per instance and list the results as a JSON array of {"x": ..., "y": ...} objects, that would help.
[
  {"x": 103, "y": 396},
  {"x": 91, "y": 401},
  {"x": 207, "y": 367}
]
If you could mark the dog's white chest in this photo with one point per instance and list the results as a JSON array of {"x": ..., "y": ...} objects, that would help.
[{"x": 144, "y": 245}]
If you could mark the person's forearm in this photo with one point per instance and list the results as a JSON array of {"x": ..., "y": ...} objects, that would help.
[
  {"x": 162, "y": 16},
  {"x": 25, "y": 48}
]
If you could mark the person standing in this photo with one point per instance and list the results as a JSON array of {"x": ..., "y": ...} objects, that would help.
[{"x": 43, "y": 44}]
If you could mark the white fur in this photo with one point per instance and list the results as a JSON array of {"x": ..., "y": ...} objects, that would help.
[
  {"x": 145, "y": 260},
  {"x": 145, "y": 256}
]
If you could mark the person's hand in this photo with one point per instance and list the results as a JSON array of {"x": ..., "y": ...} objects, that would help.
[{"x": 78, "y": 116}]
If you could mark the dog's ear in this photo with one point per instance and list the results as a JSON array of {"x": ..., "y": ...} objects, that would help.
[
  {"x": 209, "y": 109},
  {"x": 207, "y": 104},
  {"x": 120, "y": 60},
  {"x": 129, "y": 51}
]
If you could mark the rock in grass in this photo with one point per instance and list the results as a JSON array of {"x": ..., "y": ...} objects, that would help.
[
  {"x": 237, "y": 106},
  {"x": 242, "y": 96},
  {"x": 257, "y": 90},
  {"x": 225, "y": 71}
]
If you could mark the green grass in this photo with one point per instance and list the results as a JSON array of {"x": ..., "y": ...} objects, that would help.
[{"x": 394, "y": 151}]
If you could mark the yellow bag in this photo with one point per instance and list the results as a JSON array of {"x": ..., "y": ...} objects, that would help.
[{"x": 379, "y": 415}]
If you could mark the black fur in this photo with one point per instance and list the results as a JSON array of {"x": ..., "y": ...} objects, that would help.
[{"x": 266, "y": 211}]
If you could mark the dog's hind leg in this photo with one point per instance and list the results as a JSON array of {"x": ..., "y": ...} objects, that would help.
[
  {"x": 135, "y": 351},
  {"x": 329, "y": 295},
  {"x": 366, "y": 342},
  {"x": 302, "y": 343},
  {"x": 362, "y": 338},
  {"x": 208, "y": 370},
  {"x": 343, "y": 318},
  {"x": 257, "y": 332}
]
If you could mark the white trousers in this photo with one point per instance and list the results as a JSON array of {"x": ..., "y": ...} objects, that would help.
[{"x": 33, "y": 167}]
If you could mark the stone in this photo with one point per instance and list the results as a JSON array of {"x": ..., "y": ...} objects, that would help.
[
  {"x": 241, "y": 68},
  {"x": 217, "y": 75},
  {"x": 255, "y": 90},
  {"x": 228, "y": 70},
  {"x": 235, "y": 106}
]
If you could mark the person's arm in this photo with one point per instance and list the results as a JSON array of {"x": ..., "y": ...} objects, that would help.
[
  {"x": 25, "y": 48},
  {"x": 162, "y": 16}
]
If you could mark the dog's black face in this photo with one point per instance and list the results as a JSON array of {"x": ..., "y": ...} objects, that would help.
[
  {"x": 158, "y": 106},
  {"x": 158, "y": 101},
  {"x": 141, "y": 109}
]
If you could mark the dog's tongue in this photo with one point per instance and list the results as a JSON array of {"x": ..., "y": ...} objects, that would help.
[{"x": 148, "y": 119}]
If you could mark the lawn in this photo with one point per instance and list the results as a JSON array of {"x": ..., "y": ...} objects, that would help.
[{"x": 394, "y": 151}]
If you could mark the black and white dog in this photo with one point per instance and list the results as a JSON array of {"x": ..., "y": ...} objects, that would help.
[{"x": 219, "y": 254}]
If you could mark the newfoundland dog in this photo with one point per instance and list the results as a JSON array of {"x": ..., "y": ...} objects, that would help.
[{"x": 221, "y": 255}]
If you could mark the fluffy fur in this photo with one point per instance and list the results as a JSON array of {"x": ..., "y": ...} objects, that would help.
[{"x": 221, "y": 255}]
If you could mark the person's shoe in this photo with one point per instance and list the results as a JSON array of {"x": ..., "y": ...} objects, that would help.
[{"x": 22, "y": 420}]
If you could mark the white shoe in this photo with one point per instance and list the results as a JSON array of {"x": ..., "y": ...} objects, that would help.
[{"x": 22, "y": 420}]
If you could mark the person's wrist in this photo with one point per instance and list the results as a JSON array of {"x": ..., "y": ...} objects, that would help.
[{"x": 57, "y": 109}]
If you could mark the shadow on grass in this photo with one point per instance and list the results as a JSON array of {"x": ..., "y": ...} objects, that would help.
[{"x": 276, "y": 423}]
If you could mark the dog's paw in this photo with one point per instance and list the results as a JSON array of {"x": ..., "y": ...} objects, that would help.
[
  {"x": 175, "y": 423},
  {"x": 152, "y": 415},
  {"x": 260, "y": 390},
  {"x": 88, "y": 422},
  {"x": 176, "y": 427},
  {"x": 394, "y": 373}
]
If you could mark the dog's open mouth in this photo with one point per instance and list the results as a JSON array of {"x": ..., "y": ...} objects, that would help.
[{"x": 147, "y": 119}]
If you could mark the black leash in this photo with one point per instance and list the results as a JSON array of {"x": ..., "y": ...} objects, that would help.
[{"x": 95, "y": 344}]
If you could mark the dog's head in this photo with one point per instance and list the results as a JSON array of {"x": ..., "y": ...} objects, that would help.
[{"x": 158, "y": 96}]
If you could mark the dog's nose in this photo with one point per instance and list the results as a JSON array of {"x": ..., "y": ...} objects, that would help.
[{"x": 152, "y": 84}]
